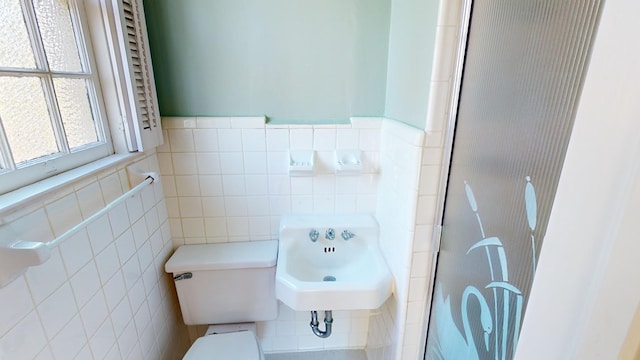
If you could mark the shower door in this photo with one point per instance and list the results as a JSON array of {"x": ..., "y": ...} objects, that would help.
[{"x": 522, "y": 76}]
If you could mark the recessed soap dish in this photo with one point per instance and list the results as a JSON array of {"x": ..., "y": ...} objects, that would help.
[
  {"x": 301, "y": 162},
  {"x": 348, "y": 162}
]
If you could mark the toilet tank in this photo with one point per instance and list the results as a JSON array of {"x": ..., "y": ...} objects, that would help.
[{"x": 226, "y": 282}]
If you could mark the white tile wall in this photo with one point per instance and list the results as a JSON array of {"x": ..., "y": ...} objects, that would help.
[
  {"x": 423, "y": 253},
  {"x": 104, "y": 283},
  {"x": 226, "y": 179},
  {"x": 231, "y": 183},
  {"x": 237, "y": 189},
  {"x": 397, "y": 210},
  {"x": 382, "y": 342},
  {"x": 291, "y": 331},
  {"x": 398, "y": 332},
  {"x": 103, "y": 293}
]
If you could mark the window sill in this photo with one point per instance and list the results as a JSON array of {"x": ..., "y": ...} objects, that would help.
[{"x": 26, "y": 195}]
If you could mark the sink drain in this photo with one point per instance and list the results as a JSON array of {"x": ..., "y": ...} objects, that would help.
[{"x": 329, "y": 278}]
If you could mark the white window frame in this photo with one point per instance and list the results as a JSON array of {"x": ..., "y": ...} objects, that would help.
[
  {"x": 130, "y": 122},
  {"x": 13, "y": 175},
  {"x": 131, "y": 102}
]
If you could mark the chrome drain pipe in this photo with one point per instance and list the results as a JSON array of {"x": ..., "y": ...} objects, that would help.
[{"x": 328, "y": 320}]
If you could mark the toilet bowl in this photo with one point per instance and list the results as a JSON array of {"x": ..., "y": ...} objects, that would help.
[
  {"x": 239, "y": 344},
  {"x": 230, "y": 285}
]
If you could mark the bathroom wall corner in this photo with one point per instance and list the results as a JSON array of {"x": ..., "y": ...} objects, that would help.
[
  {"x": 104, "y": 293},
  {"x": 397, "y": 209}
]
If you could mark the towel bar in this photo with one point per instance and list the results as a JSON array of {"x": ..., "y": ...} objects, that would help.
[{"x": 17, "y": 256}]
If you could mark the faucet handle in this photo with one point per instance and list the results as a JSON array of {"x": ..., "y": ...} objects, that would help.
[
  {"x": 313, "y": 235},
  {"x": 330, "y": 234},
  {"x": 346, "y": 234}
]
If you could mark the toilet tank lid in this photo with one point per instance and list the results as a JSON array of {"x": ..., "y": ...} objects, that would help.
[{"x": 250, "y": 254}]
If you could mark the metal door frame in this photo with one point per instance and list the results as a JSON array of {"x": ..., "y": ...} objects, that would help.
[{"x": 449, "y": 136}]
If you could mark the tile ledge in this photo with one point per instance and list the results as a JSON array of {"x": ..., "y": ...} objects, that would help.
[
  {"x": 409, "y": 134},
  {"x": 361, "y": 122},
  {"x": 29, "y": 194}
]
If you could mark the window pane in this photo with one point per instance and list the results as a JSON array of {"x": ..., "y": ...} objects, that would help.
[
  {"x": 58, "y": 35},
  {"x": 15, "y": 47},
  {"x": 75, "y": 109},
  {"x": 25, "y": 117}
]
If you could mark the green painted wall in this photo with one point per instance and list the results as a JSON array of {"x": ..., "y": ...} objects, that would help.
[
  {"x": 411, "y": 45},
  {"x": 306, "y": 60}
]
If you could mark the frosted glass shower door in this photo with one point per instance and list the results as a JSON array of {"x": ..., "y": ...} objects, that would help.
[{"x": 522, "y": 77}]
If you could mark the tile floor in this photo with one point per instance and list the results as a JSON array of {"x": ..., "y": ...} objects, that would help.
[{"x": 320, "y": 355}]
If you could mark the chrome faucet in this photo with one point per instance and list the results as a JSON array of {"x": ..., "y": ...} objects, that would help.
[
  {"x": 313, "y": 235},
  {"x": 330, "y": 234},
  {"x": 347, "y": 235}
]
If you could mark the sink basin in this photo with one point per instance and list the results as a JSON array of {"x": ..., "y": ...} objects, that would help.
[{"x": 338, "y": 274}]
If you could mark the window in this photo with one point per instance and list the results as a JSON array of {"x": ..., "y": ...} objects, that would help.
[
  {"x": 49, "y": 106},
  {"x": 54, "y": 113}
]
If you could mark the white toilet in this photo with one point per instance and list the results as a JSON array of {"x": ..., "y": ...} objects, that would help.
[{"x": 229, "y": 283}]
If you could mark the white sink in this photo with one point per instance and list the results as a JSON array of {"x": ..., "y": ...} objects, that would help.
[{"x": 328, "y": 274}]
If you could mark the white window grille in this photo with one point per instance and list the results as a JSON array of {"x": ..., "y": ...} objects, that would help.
[{"x": 55, "y": 114}]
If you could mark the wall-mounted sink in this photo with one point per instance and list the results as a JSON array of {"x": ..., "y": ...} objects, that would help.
[{"x": 316, "y": 272}]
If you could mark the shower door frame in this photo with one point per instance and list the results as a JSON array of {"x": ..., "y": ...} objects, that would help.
[
  {"x": 449, "y": 137},
  {"x": 457, "y": 76},
  {"x": 605, "y": 72}
]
